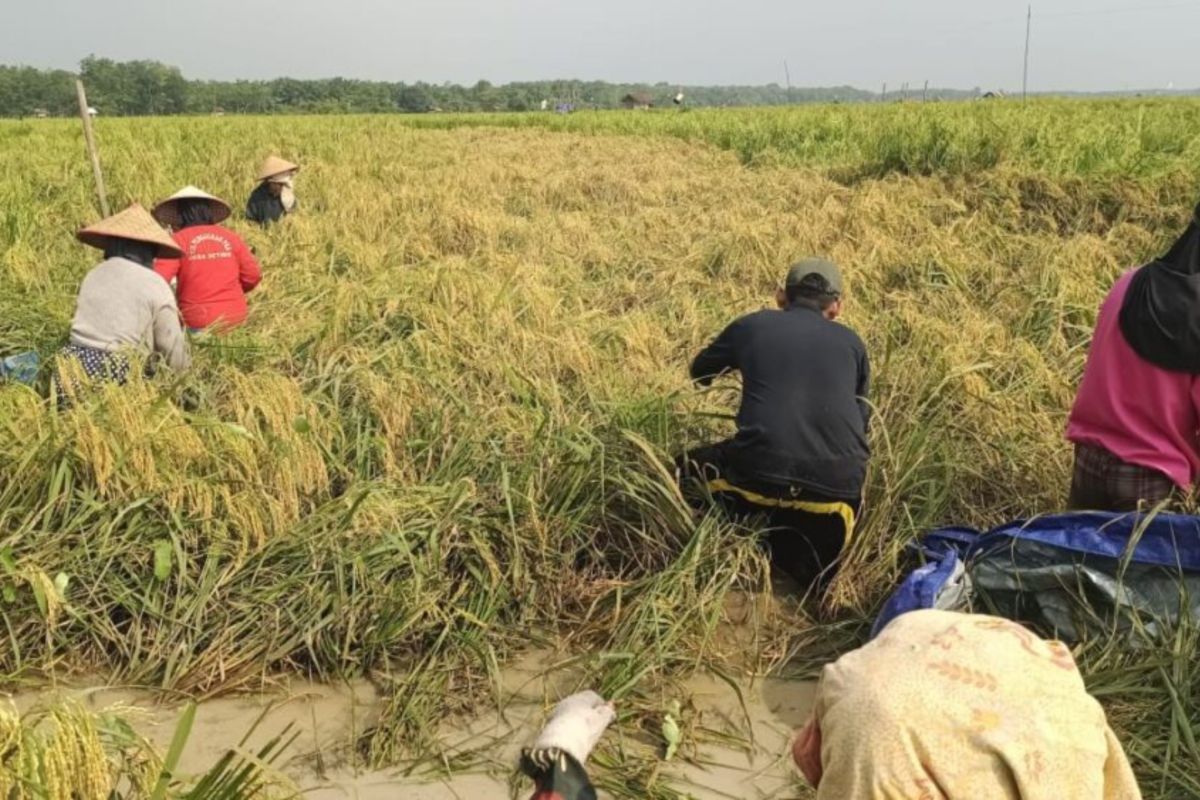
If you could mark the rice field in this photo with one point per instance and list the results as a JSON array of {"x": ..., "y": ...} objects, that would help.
[{"x": 442, "y": 438}]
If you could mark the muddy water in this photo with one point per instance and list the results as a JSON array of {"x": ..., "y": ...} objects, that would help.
[{"x": 752, "y": 763}]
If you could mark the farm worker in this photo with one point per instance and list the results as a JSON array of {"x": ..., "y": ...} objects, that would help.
[
  {"x": 950, "y": 706},
  {"x": 123, "y": 308},
  {"x": 799, "y": 457},
  {"x": 276, "y": 192},
  {"x": 1135, "y": 420},
  {"x": 216, "y": 270}
]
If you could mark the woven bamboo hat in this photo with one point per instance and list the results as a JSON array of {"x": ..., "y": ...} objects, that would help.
[
  {"x": 133, "y": 223},
  {"x": 274, "y": 165},
  {"x": 167, "y": 212}
]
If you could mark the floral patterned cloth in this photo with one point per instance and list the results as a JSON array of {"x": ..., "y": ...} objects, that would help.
[{"x": 948, "y": 706}]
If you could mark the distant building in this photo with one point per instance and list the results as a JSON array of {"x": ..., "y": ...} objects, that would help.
[
  {"x": 40, "y": 113},
  {"x": 545, "y": 105},
  {"x": 678, "y": 99},
  {"x": 996, "y": 95},
  {"x": 564, "y": 108},
  {"x": 637, "y": 100},
  {"x": 93, "y": 112}
]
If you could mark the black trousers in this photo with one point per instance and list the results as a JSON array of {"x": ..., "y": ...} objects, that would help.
[{"x": 804, "y": 532}]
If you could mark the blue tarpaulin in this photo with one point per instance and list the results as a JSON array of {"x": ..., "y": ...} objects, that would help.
[
  {"x": 1045, "y": 570},
  {"x": 22, "y": 367}
]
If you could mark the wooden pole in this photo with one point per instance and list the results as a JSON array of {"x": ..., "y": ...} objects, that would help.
[
  {"x": 925, "y": 93},
  {"x": 787, "y": 76},
  {"x": 84, "y": 115}
]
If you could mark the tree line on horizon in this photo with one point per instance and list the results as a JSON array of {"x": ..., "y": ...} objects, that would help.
[
  {"x": 150, "y": 88},
  {"x": 145, "y": 88}
]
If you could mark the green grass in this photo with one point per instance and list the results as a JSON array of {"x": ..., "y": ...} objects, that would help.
[{"x": 1064, "y": 138}]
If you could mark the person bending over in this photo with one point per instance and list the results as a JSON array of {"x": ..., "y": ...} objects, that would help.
[
  {"x": 216, "y": 270},
  {"x": 1135, "y": 420},
  {"x": 949, "y": 706},
  {"x": 799, "y": 458},
  {"x": 275, "y": 196},
  {"x": 123, "y": 308}
]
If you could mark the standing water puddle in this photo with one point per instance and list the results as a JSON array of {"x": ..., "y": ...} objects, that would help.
[{"x": 328, "y": 717}]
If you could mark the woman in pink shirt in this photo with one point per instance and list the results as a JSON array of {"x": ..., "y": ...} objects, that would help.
[{"x": 1136, "y": 419}]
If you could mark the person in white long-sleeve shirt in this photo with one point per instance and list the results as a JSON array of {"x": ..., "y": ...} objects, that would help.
[{"x": 124, "y": 308}]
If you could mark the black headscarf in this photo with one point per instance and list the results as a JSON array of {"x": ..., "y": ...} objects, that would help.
[
  {"x": 1160, "y": 317},
  {"x": 195, "y": 212},
  {"x": 138, "y": 252}
]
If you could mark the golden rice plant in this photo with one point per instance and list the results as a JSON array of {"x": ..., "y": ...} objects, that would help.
[
  {"x": 67, "y": 752},
  {"x": 443, "y": 427}
]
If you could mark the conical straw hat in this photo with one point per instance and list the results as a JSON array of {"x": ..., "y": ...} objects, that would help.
[
  {"x": 167, "y": 212},
  {"x": 274, "y": 165},
  {"x": 133, "y": 223}
]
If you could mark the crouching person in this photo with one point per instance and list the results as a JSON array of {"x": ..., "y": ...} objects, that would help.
[
  {"x": 123, "y": 307},
  {"x": 951, "y": 706},
  {"x": 275, "y": 196},
  {"x": 1135, "y": 418},
  {"x": 799, "y": 458},
  {"x": 217, "y": 269}
]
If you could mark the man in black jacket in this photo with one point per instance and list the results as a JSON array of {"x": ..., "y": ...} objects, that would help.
[{"x": 799, "y": 458}]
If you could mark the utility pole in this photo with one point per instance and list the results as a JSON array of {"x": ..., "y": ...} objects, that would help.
[
  {"x": 925, "y": 93},
  {"x": 883, "y": 94},
  {"x": 1025, "y": 78},
  {"x": 787, "y": 75}
]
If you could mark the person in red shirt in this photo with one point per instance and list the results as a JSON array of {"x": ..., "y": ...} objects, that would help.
[{"x": 217, "y": 269}]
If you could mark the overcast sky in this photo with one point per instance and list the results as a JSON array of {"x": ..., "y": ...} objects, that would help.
[{"x": 1077, "y": 44}]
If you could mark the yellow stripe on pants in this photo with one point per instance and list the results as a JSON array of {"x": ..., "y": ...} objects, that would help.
[{"x": 843, "y": 510}]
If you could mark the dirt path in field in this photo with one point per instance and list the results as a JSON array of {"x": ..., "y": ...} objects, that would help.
[{"x": 327, "y": 717}]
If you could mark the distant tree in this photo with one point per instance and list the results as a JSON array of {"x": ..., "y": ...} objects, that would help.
[
  {"x": 134, "y": 87},
  {"x": 107, "y": 84},
  {"x": 414, "y": 99},
  {"x": 485, "y": 97}
]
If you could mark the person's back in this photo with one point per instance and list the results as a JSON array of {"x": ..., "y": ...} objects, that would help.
[
  {"x": 122, "y": 305},
  {"x": 802, "y": 420},
  {"x": 213, "y": 276},
  {"x": 1139, "y": 412},
  {"x": 952, "y": 705},
  {"x": 1135, "y": 420},
  {"x": 799, "y": 458},
  {"x": 264, "y": 205}
]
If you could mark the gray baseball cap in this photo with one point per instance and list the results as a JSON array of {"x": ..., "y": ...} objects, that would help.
[{"x": 818, "y": 274}]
